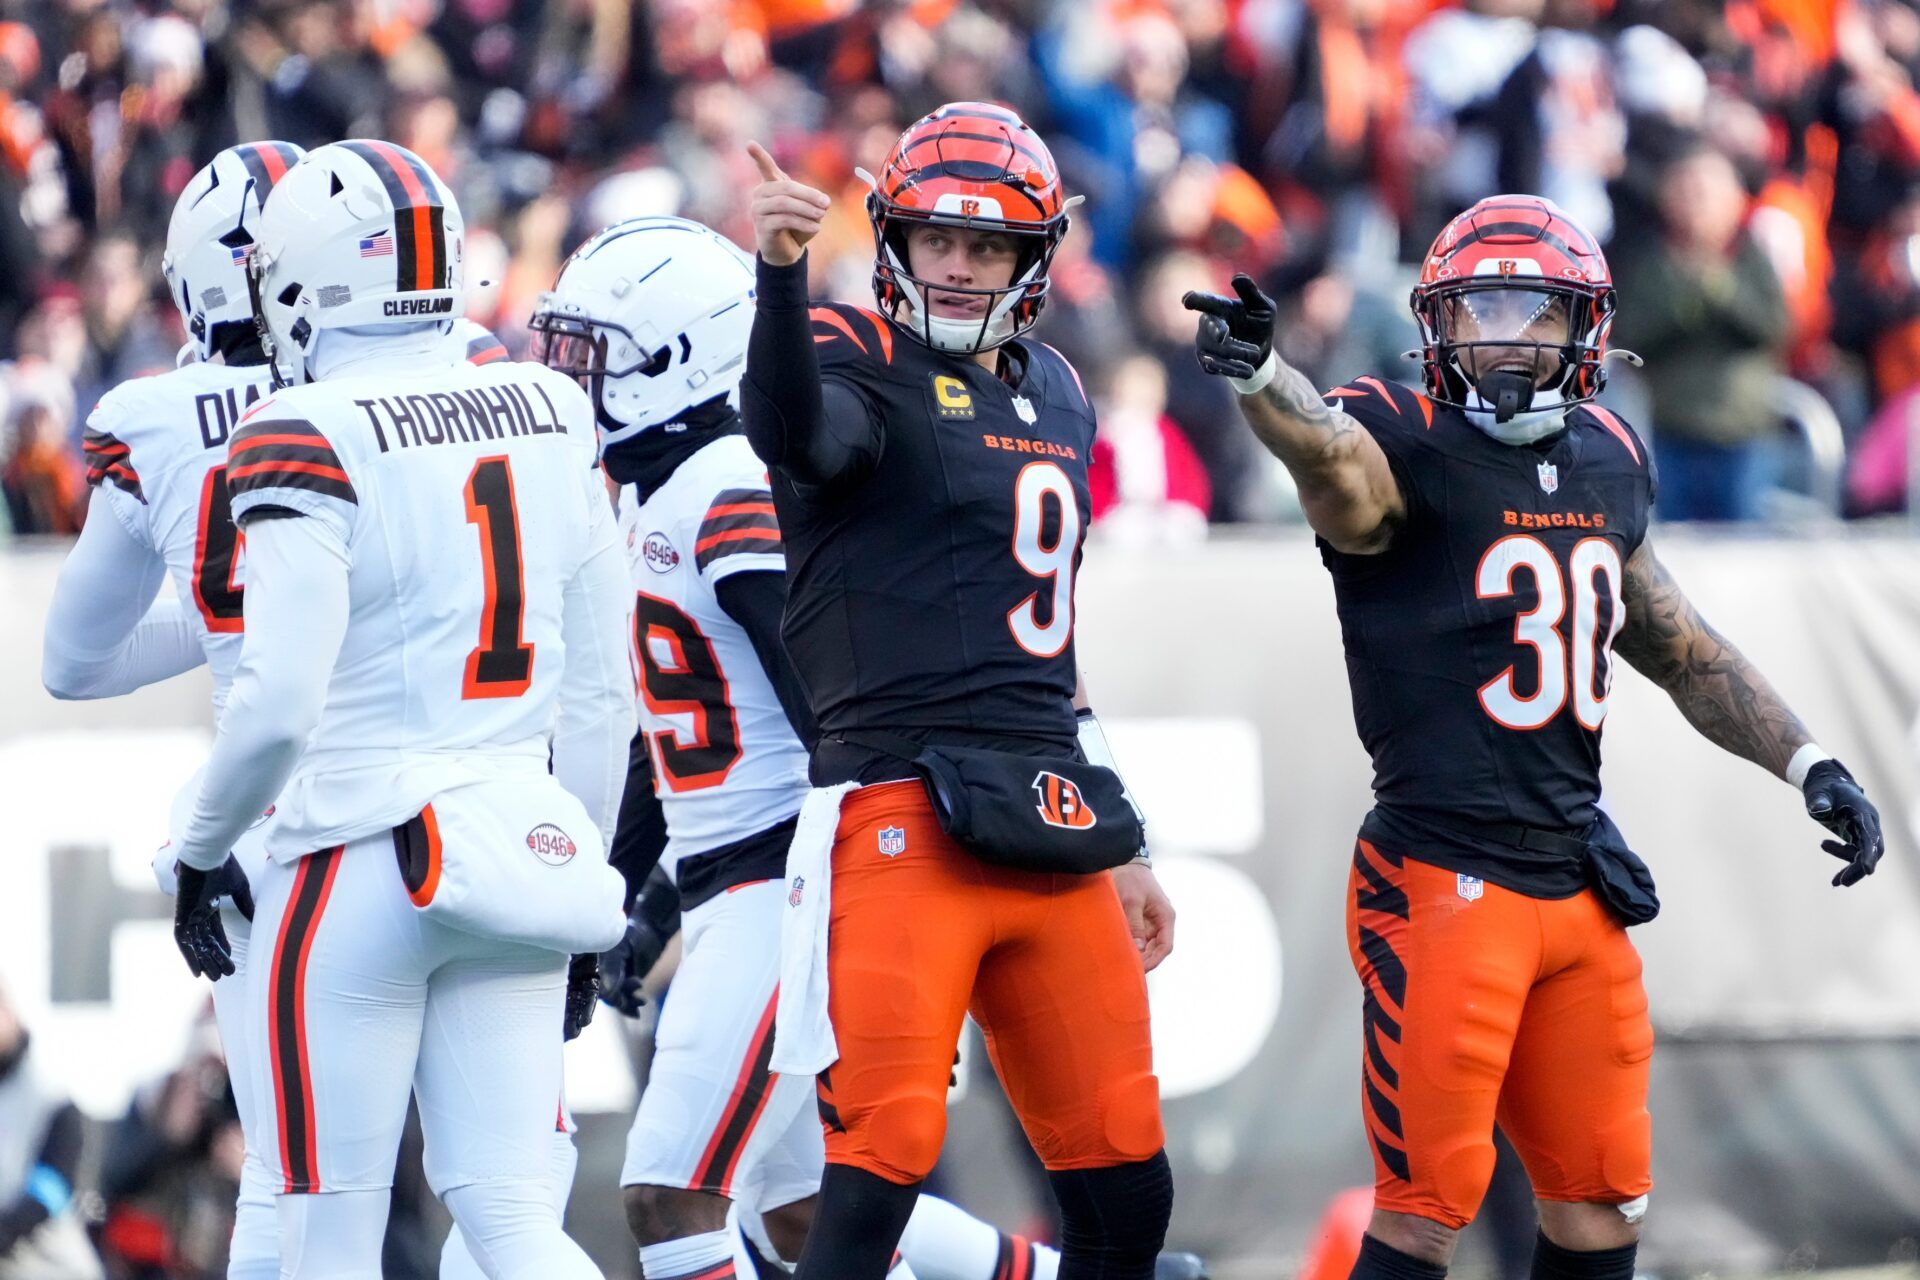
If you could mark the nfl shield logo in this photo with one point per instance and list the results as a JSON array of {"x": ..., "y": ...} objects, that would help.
[
  {"x": 1471, "y": 887},
  {"x": 799, "y": 889},
  {"x": 893, "y": 841},
  {"x": 1549, "y": 477},
  {"x": 1024, "y": 407}
]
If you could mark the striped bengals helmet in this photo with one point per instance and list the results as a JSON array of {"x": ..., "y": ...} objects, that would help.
[
  {"x": 971, "y": 165},
  {"x": 359, "y": 233},
  {"x": 208, "y": 236},
  {"x": 1515, "y": 272}
]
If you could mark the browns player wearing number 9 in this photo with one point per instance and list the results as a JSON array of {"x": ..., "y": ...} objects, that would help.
[
  {"x": 929, "y": 469},
  {"x": 1488, "y": 546}
]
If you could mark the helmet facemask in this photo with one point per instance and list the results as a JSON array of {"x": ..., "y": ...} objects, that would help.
[
  {"x": 1011, "y": 309},
  {"x": 581, "y": 348},
  {"x": 1505, "y": 345},
  {"x": 292, "y": 370}
]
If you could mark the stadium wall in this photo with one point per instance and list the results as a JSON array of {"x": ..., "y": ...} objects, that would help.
[{"x": 1787, "y": 1082}]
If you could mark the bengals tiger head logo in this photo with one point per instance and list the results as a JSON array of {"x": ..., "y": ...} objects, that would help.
[{"x": 1060, "y": 803}]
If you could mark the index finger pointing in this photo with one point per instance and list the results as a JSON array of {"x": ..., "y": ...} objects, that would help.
[
  {"x": 769, "y": 171},
  {"x": 1210, "y": 303}
]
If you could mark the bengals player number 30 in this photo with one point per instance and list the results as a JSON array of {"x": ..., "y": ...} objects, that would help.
[{"x": 1487, "y": 538}]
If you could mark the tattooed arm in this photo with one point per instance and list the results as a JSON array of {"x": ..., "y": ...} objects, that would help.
[
  {"x": 1720, "y": 693},
  {"x": 1347, "y": 490},
  {"x": 1346, "y": 487}
]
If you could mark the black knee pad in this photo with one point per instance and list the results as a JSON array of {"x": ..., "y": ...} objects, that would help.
[{"x": 1113, "y": 1220}]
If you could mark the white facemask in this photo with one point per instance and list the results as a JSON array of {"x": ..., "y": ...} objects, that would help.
[{"x": 958, "y": 336}]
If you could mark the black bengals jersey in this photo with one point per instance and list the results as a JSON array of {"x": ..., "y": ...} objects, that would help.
[
  {"x": 1479, "y": 644},
  {"x": 930, "y": 582}
]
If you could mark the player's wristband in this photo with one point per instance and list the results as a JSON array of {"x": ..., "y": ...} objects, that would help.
[
  {"x": 1261, "y": 376},
  {"x": 1802, "y": 763}
]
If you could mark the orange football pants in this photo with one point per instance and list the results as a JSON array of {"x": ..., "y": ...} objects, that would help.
[
  {"x": 1484, "y": 1005},
  {"x": 1044, "y": 962}
]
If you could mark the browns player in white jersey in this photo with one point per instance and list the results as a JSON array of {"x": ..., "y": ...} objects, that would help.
[
  {"x": 436, "y": 604},
  {"x": 157, "y": 451},
  {"x": 653, "y": 315}
]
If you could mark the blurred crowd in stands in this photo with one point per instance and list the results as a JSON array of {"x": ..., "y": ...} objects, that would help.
[{"x": 1753, "y": 165}]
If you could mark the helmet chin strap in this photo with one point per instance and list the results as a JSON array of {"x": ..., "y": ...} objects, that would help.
[
  {"x": 1503, "y": 404},
  {"x": 960, "y": 337}
]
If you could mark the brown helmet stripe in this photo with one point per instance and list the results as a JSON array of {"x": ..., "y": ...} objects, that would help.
[
  {"x": 419, "y": 233},
  {"x": 267, "y": 163}
]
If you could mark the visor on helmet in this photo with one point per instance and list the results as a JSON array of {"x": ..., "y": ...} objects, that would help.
[{"x": 1506, "y": 315}]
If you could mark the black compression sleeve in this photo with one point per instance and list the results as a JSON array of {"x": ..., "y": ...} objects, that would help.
[
  {"x": 640, "y": 836},
  {"x": 50, "y": 1184},
  {"x": 658, "y": 906},
  {"x": 755, "y": 599},
  {"x": 816, "y": 433},
  {"x": 60, "y": 1151}
]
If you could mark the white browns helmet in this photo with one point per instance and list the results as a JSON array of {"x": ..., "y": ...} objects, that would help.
[
  {"x": 213, "y": 226},
  {"x": 360, "y": 233},
  {"x": 652, "y": 316}
]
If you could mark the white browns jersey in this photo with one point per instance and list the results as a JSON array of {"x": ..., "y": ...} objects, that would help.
[
  {"x": 468, "y": 498},
  {"x": 726, "y": 763},
  {"x": 157, "y": 447}
]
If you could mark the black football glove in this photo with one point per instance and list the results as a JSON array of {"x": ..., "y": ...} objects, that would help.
[
  {"x": 583, "y": 985},
  {"x": 1236, "y": 334},
  {"x": 651, "y": 924},
  {"x": 1836, "y": 802},
  {"x": 197, "y": 930}
]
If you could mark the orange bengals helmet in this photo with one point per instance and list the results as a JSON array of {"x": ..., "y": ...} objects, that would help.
[
  {"x": 1514, "y": 273},
  {"x": 972, "y": 165}
]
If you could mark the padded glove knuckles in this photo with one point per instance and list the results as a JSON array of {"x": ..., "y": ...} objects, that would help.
[
  {"x": 1236, "y": 334},
  {"x": 1836, "y": 802}
]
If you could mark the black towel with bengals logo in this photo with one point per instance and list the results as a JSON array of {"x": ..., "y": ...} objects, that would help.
[
  {"x": 1479, "y": 644},
  {"x": 931, "y": 594}
]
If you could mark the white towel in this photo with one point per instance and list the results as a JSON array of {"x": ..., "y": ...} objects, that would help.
[{"x": 803, "y": 1042}]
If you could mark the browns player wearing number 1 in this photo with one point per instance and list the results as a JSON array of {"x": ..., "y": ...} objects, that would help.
[
  {"x": 1489, "y": 552},
  {"x": 929, "y": 470},
  {"x": 435, "y": 608},
  {"x": 157, "y": 454}
]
